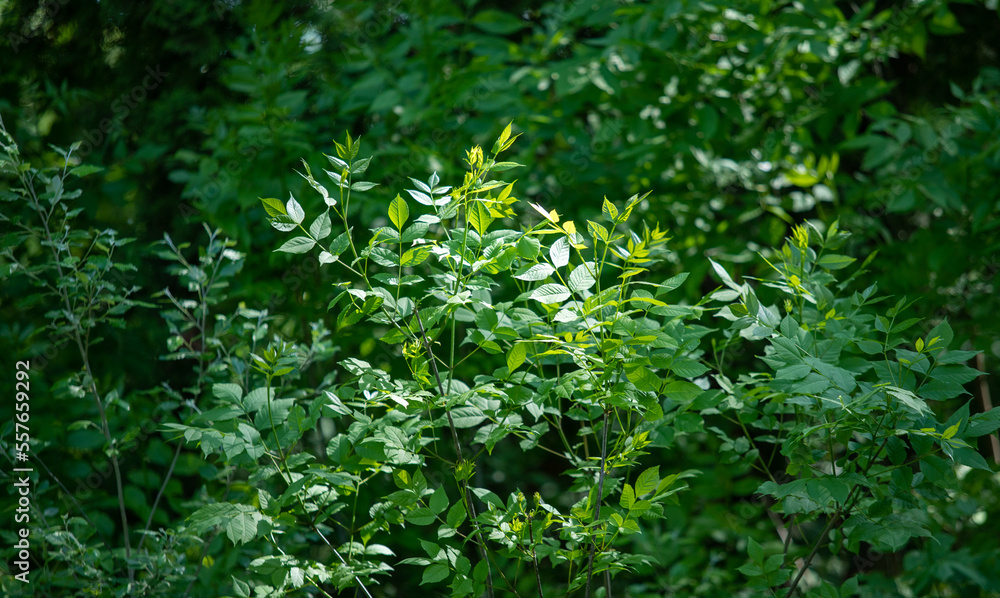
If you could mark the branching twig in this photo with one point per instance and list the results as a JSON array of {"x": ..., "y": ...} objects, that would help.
[{"x": 458, "y": 451}]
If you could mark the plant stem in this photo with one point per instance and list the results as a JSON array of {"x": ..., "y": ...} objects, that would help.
[
  {"x": 83, "y": 349},
  {"x": 597, "y": 508},
  {"x": 812, "y": 554},
  {"x": 470, "y": 507}
]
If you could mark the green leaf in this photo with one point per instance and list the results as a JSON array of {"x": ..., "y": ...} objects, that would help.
[
  {"x": 832, "y": 261},
  {"x": 242, "y": 524},
  {"x": 321, "y": 227},
  {"x": 339, "y": 244},
  {"x": 383, "y": 257},
  {"x": 628, "y": 497},
  {"x": 209, "y": 516},
  {"x": 416, "y": 255},
  {"x": 502, "y": 139},
  {"x": 724, "y": 276},
  {"x": 361, "y": 165},
  {"x": 643, "y": 378},
  {"x": 502, "y": 166},
  {"x": 890, "y": 534},
  {"x": 434, "y": 573},
  {"x": 648, "y": 481},
  {"x": 85, "y": 170},
  {"x": 905, "y": 324},
  {"x": 671, "y": 283},
  {"x": 284, "y": 223},
  {"x": 910, "y": 400},
  {"x": 984, "y": 423},
  {"x": 597, "y": 231},
  {"x": 439, "y": 500},
  {"x": 550, "y": 293},
  {"x": 609, "y": 210},
  {"x": 456, "y": 514},
  {"x": 372, "y": 448},
  {"x": 940, "y": 336},
  {"x": 363, "y": 186},
  {"x": 273, "y": 206},
  {"x": 339, "y": 448},
  {"x": 535, "y": 272},
  {"x": 681, "y": 391},
  {"x": 479, "y": 217},
  {"x": 294, "y": 210},
  {"x": 516, "y": 356},
  {"x": 955, "y": 357},
  {"x": 970, "y": 458},
  {"x": 559, "y": 252},
  {"x": 297, "y": 245},
  {"x": 230, "y": 393},
  {"x": 467, "y": 416},
  {"x": 241, "y": 587},
  {"x": 755, "y": 551},
  {"x": 421, "y": 516},
  {"x": 687, "y": 368},
  {"x": 415, "y": 231},
  {"x": 528, "y": 247},
  {"x": 399, "y": 212},
  {"x": 955, "y": 374},
  {"x": 498, "y": 22},
  {"x": 870, "y": 347},
  {"x": 581, "y": 278}
]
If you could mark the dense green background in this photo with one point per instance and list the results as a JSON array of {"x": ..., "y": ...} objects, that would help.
[{"x": 742, "y": 118}]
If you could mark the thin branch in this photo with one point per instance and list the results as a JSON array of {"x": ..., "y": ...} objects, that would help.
[
  {"x": 458, "y": 451},
  {"x": 984, "y": 396},
  {"x": 597, "y": 508}
]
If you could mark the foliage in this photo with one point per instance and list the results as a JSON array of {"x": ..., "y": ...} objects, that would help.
[
  {"x": 741, "y": 120},
  {"x": 604, "y": 355},
  {"x": 82, "y": 288}
]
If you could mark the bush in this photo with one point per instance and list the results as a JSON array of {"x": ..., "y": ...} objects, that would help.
[{"x": 537, "y": 379}]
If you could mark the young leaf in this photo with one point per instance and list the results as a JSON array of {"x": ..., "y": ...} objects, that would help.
[
  {"x": 832, "y": 261},
  {"x": 502, "y": 139},
  {"x": 399, "y": 212},
  {"x": 551, "y": 216},
  {"x": 628, "y": 497},
  {"x": 479, "y": 217},
  {"x": 273, "y": 206},
  {"x": 516, "y": 356},
  {"x": 609, "y": 210},
  {"x": 597, "y": 231},
  {"x": 502, "y": 166}
]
